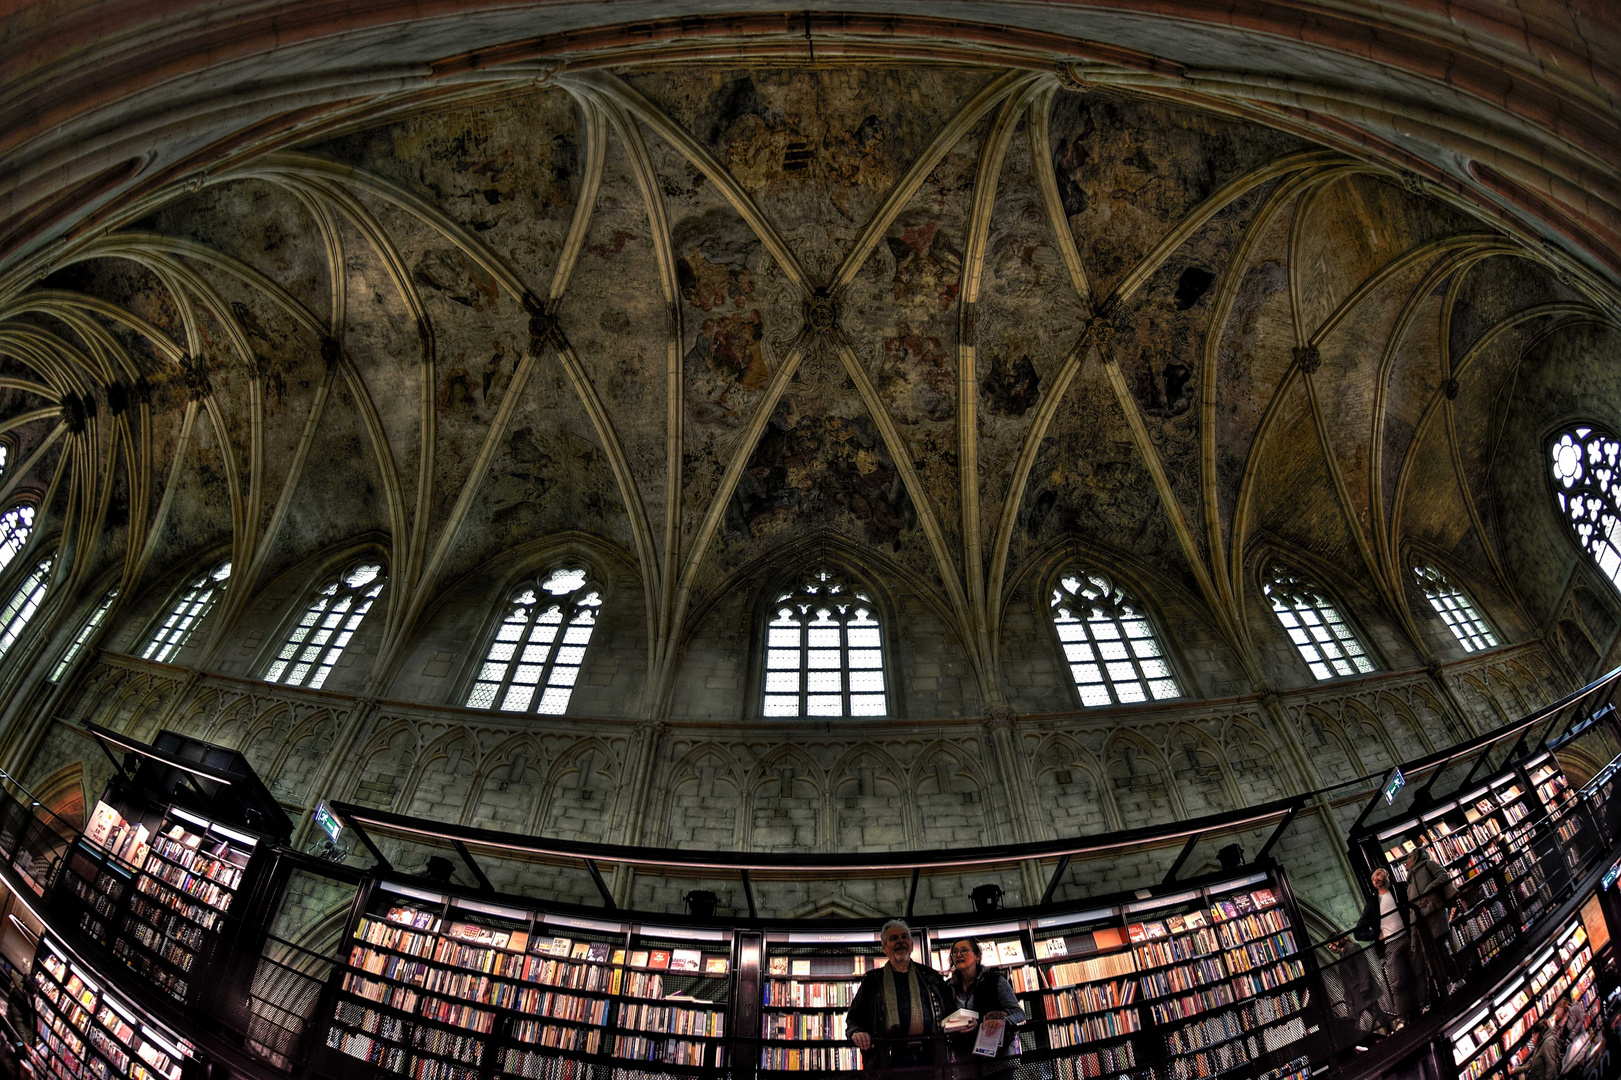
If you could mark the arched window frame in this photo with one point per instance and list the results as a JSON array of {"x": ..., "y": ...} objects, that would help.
[
  {"x": 1049, "y": 606},
  {"x": 1329, "y": 599},
  {"x": 25, "y": 602},
  {"x": 1452, "y": 605},
  {"x": 590, "y": 595},
  {"x": 311, "y": 642},
  {"x": 1591, "y": 489},
  {"x": 18, "y": 527},
  {"x": 188, "y": 608},
  {"x": 771, "y": 603},
  {"x": 88, "y": 630}
]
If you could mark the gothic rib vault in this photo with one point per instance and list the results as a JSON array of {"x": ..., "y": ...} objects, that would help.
[{"x": 953, "y": 324}]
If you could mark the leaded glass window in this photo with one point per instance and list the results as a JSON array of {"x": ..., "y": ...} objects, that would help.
[
  {"x": 15, "y": 526},
  {"x": 1452, "y": 604},
  {"x": 539, "y": 647},
  {"x": 85, "y": 632},
  {"x": 1314, "y": 623},
  {"x": 190, "y": 608},
  {"x": 1587, "y": 482},
  {"x": 23, "y": 603},
  {"x": 1113, "y": 654},
  {"x": 824, "y": 651},
  {"x": 328, "y": 625}
]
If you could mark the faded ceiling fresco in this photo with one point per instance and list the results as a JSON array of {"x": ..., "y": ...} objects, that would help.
[{"x": 957, "y": 316}]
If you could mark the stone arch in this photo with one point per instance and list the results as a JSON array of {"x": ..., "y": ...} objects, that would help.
[
  {"x": 62, "y": 793},
  {"x": 1369, "y": 738},
  {"x": 1487, "y": 709},
  {"x": 1531, "y": 688},
  {"x": 1517, "y": 705},
  {"x": 1403, "y": 726},
  {"x": 443, "y": 778},
  {"x": 301, "y": 756},
  {"x": 578, "y": 792},
  {"x": 264, "y": 741},
  {"x": 235, "y": 722},
  {"x": 785, "y": 802},
  {"x": 1255, "y": 763},
  {"x": 386, "y": 764},
  {"x": 948, "y": 791},
  {"x": 505, "y": 793},
  {"x": 1140, "y": 781},
  {"x": 1328, "y": 748},
  {"x": 1069, "y": 784},
  {"x": 128, "y": 711},
  {"x": 871, "y": 807},
  {"x": 1200, "y": 772},
  {"x": 703, "y": 800}
]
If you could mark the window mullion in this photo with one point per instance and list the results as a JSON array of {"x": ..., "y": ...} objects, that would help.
[
  {"x": 566, "y": 621},
  {"x": 844, "y": 666},
  {"x": 512, "y": 662},
  {"x": 804, "y": 664}
]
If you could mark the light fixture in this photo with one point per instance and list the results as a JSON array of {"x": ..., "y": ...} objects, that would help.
[{"x": 986, "y": 898}]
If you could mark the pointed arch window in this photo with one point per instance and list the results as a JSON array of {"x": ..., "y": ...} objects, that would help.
[
  {"x": 1314, "y": 623},
  {"x": 71, "y": 653},
  {"x": 539, "y": 646},
  {"x": 190, "y": 608},
  {"x": 329, "y": 623},
  {"x": 23, "y": 603},
  {"x": 824, "y": 651},
  {"x": 1586, "y": 467},
  {"x": 1113, "y": 655},
  {"x": 1455, "y": 609},
  {"x": 16, "y": 525}
]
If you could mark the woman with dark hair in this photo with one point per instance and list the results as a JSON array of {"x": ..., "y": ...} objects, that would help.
[{"x": 986, "y": 991}]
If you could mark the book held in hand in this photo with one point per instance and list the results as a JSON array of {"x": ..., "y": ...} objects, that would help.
[{"x": 990, "y": 1038}]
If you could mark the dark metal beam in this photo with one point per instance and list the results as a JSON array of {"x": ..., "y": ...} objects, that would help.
[
  {"x": 1277, "y": 833},
  {"x": 1187, "y": 849},
  {"x": 602, "y": 886},
  {"x": 748, "y": 894},
  {"x": 1052, "y": 882},
  {"x": 911, "y": 894},
  {"x": 478, "y": 871}
]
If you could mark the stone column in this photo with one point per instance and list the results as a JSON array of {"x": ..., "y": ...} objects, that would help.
[
  {"x": 1013, "y": 775},
  {"x": 337, "y": 762},
  {"x": 637, "y": 782}
]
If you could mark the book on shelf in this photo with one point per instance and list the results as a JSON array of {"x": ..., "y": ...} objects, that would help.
[
  {"x": 597, "y": 952},
  {"x": 658, "y": 959},
  {"x": 716, "y": 965},
  {"x": 778, "y": 965},
  {"x": 638, "y": 958},
  {"x": 580, "y": 951},
  {"x": 686, "y": 960}
]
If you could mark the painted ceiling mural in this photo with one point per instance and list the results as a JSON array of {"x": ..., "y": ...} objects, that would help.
[{"x": 956, "y": 316}]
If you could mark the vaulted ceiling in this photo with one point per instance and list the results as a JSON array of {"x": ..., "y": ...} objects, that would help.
[{"x": 955, "y": 314}]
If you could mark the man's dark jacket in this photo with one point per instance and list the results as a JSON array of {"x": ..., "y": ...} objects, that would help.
[{"x": 867, "y": 1007}]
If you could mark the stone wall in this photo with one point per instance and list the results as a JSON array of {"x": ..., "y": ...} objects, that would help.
[{"x": 842, "y": 785}]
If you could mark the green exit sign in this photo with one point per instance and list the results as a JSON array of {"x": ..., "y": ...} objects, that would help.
[{"x": 328, "y": 821}]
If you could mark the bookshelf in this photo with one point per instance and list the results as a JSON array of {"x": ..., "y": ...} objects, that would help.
[
  {"x": 807, "y": 982},
  {"x": 1495, "y": 1035},
  {"x": 158, "y": 900},
  {"x": 437, "y": 988},
  {"x": 1200, "y": 982},
  {"x": 1221, "y": 975},
  {"x": 83, "y": 1030},
  {"x": 1484, "y": 840}
]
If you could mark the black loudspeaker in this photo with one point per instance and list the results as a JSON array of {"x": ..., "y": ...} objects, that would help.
[
  {"x": 986, "y": 897},
  {"x": 701, "y": 903},
  {"x": 1231, "y": 857}
]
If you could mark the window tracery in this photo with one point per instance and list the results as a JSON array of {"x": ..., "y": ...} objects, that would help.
[
  {"x": 1455, "y": 609},
  {"x": 1112, "y": 652},
  {"x": 535, "y": 658},
  {"x": 190, "y": 608},
  {"x": 329, "y": 623},
  {"x": 71, "y": 653},
  {"x": 1586, "y": 467},
  {"x": 23, "y": 603},
  {"x": 824, "y": 651},
  {"x": 1314, "y": 623},
  {"x": 16, "y": 525}
]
